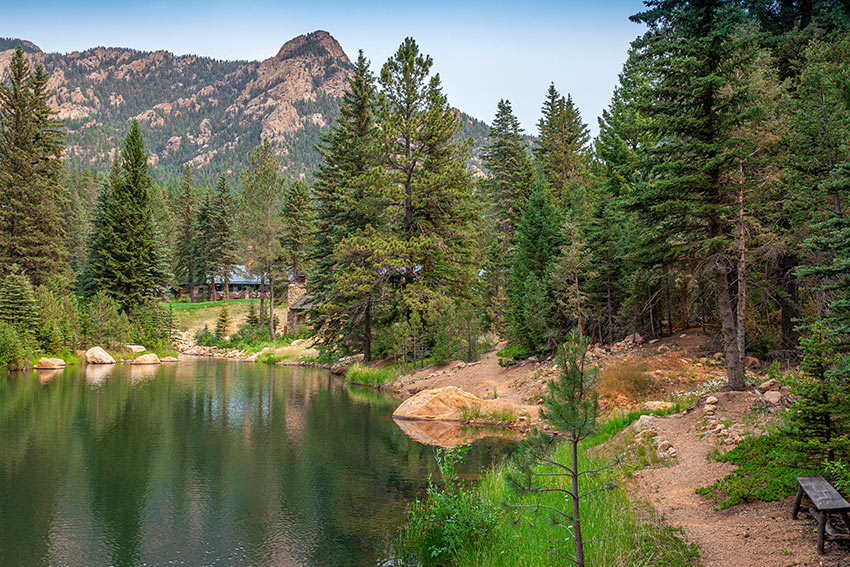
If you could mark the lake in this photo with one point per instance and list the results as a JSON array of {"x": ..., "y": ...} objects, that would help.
[{"x": 205, "y": 463}]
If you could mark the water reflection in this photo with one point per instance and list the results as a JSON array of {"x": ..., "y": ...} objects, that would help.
[{"x": 201, "y": 463}]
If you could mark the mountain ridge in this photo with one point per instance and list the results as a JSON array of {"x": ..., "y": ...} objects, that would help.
[{"x": 196, "y": 110}]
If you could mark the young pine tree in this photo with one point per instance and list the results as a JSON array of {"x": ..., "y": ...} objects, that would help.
[
  {"x": 222, "y": 325},
  {"x": 17, "y": 302},
  {"x": 220, "y": 236},
  {"x": 571, "y": 407}
]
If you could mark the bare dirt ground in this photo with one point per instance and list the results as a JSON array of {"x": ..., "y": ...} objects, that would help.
[{"x": 760, "y": 534}]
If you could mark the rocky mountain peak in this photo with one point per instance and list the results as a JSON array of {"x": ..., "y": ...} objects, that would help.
[{"x": 319, "y": 43}]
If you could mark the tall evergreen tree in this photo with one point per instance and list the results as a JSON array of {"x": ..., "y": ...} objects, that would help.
[
  {"x": 18, "y": 307},
  {"x": 33, "y": 197},
  {"x": 347, "y": 199},
  {"x": 123, "y": 254},
  {"x": 187, "y": 265},
  {"x": 509, "y": 181},
  {"x": 220, "y": 237},
  {"x": 562, "y": 149},
  {"x": 297, "y": 221},
  {"x": 431, "y": 188},
  {"x": 699, "y": 56},
  {"x": 261, "y": 222},
  {"x": 534, "y": 322}
]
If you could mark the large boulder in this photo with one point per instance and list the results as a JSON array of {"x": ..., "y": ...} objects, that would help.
[
  {"x": 773, "y": 397},
  {"x": 769, "y": 385},
  {"x": 169, "y": 359},
  {"x": 96, "y": 355},
  {"x": 452, "y": 404},
  {"x": 149, "y": 358},
  {"x": 135, "y": 348},
  {"x": 341, "y": 365},
  {"x": 634, "y": 339},
  {"x": 49, "y": 363},
  {"x": 752, "y": 362}
]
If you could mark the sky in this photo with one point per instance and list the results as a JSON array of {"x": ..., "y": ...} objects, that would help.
[{"x": 483, "y": 50}]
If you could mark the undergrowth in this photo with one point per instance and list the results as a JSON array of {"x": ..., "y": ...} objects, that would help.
[
  {"x": 369, "y": 376},
  {"x": 766, "y": 471}
]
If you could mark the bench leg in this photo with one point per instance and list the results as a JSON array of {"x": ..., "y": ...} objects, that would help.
[
  {"x": 797, "y": 501},
  {"x": 821, "y": 531}
]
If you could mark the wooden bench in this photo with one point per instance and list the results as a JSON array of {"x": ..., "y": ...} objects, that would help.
[{"x": 825, "y": 501}]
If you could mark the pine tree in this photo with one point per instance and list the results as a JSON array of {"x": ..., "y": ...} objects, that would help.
[
  {"x": 187, "y": 266},
  {"x": 260, "y": 220},
  {"x": 222, "y": 325},
  {"x": 297, "y": 220},
  {"x": 33, "y": 196},
  {"x": 571, "y": 407},
  {"x": 431, "y": 187},
  {"x": 220, "y": 236},
  {"x": 534, "y": 322},
  {"x": 346, "y": 198},
  {"x": 123, "y": 255},
  {"x": 561, "y": 151},
  {"x": 17, "y": 302},
  {"x": 202, "y": 241},
  {"x": 698, "y": 57},
  {"x": 507, "y": 185}
]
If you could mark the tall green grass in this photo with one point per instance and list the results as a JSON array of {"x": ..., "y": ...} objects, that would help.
[
  {"x": 637, "y": 537},
  {"x": 187, "y": 306},
  {"x": 369, "y": 376}
]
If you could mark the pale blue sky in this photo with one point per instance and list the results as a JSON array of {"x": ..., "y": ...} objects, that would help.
[{"x": 483, "y": 50}]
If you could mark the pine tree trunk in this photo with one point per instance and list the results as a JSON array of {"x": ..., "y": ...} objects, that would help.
[
  {"x": 669, "y": 306},
  {"x": 734, "y": 374},
  {"x": 367, "y": 331},
  {"x": 576, "y": 512},
  {"x": 271, "y": 306},
  {"x": 788, "y": 300},
  {"x": 741, "y": 307},
  {"x": 610, "y": 308},
  {"x": 226, "y": 286},
  {"x": 262, "y": 314},
  {"x": 191, "y": 286}
]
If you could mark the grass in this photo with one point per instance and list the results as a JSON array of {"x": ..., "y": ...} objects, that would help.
[
  {"x": 183, "y": 306},
  {"x": 69, "y": 356},
  {"x": 369, "y": 376},
  {"x": 474, "y": 413},
  {"x": 638, "y": 538},
  {"x": 625, "y": 378},
  {"x": 766, "y": 471}
]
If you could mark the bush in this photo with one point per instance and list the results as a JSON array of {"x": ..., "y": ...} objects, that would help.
[
  {"x": 448, "y": 520},
  {"x": 368, "y": 376},
  {"x": 625, "y": 378},
  {"x": 61, "y": 320},
  {"x": 204, "y": 337},
  {"x": 222, "y": 326},
  {"x": 104, "y": 323},
  {"x": 16, "y": 347},
  {"x": 153, "y": 325},
  {"x": 766, "y": 471}
]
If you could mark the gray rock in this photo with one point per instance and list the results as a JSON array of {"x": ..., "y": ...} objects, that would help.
[{"x": 773, "y": 397}]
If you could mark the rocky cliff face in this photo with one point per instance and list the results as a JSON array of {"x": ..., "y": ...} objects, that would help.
[{"x": 196, "y": 110}]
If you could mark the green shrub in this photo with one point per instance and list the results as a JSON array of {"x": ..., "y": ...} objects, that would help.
[
  {"x": 767, "y": 471},
  {"x": 204, "y": 337},
  {"x": 368, "y": 376},
  {"x": 16, "y": 347},
  {"x": 449, "y": 519},
  {"x": 222, "y": 326},
  {"x": 153, "y": 325},
  {"x": 104, "y": 323}
]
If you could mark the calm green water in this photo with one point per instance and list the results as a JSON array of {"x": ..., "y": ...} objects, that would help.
[{"x": 205, "y": 462}]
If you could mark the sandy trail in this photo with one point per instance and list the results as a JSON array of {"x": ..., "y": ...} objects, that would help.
[{"x": 760, "y": 534}]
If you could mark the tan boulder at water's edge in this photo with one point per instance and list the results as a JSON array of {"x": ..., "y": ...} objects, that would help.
[
  {"x": 135, "y": 348},
  {"x": 149, "y": 358},
  {"x": 168, "y": 359},
  {"x": 49, "y": 363},
  {"x": 448, "y": 404},
  {"x": 96, "y": 355}
]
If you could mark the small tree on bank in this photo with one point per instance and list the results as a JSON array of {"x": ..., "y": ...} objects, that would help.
[{"x": 571, "y": 407}]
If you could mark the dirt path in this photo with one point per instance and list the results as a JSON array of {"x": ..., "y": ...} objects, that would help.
[{"x": 748, "y": 535}]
